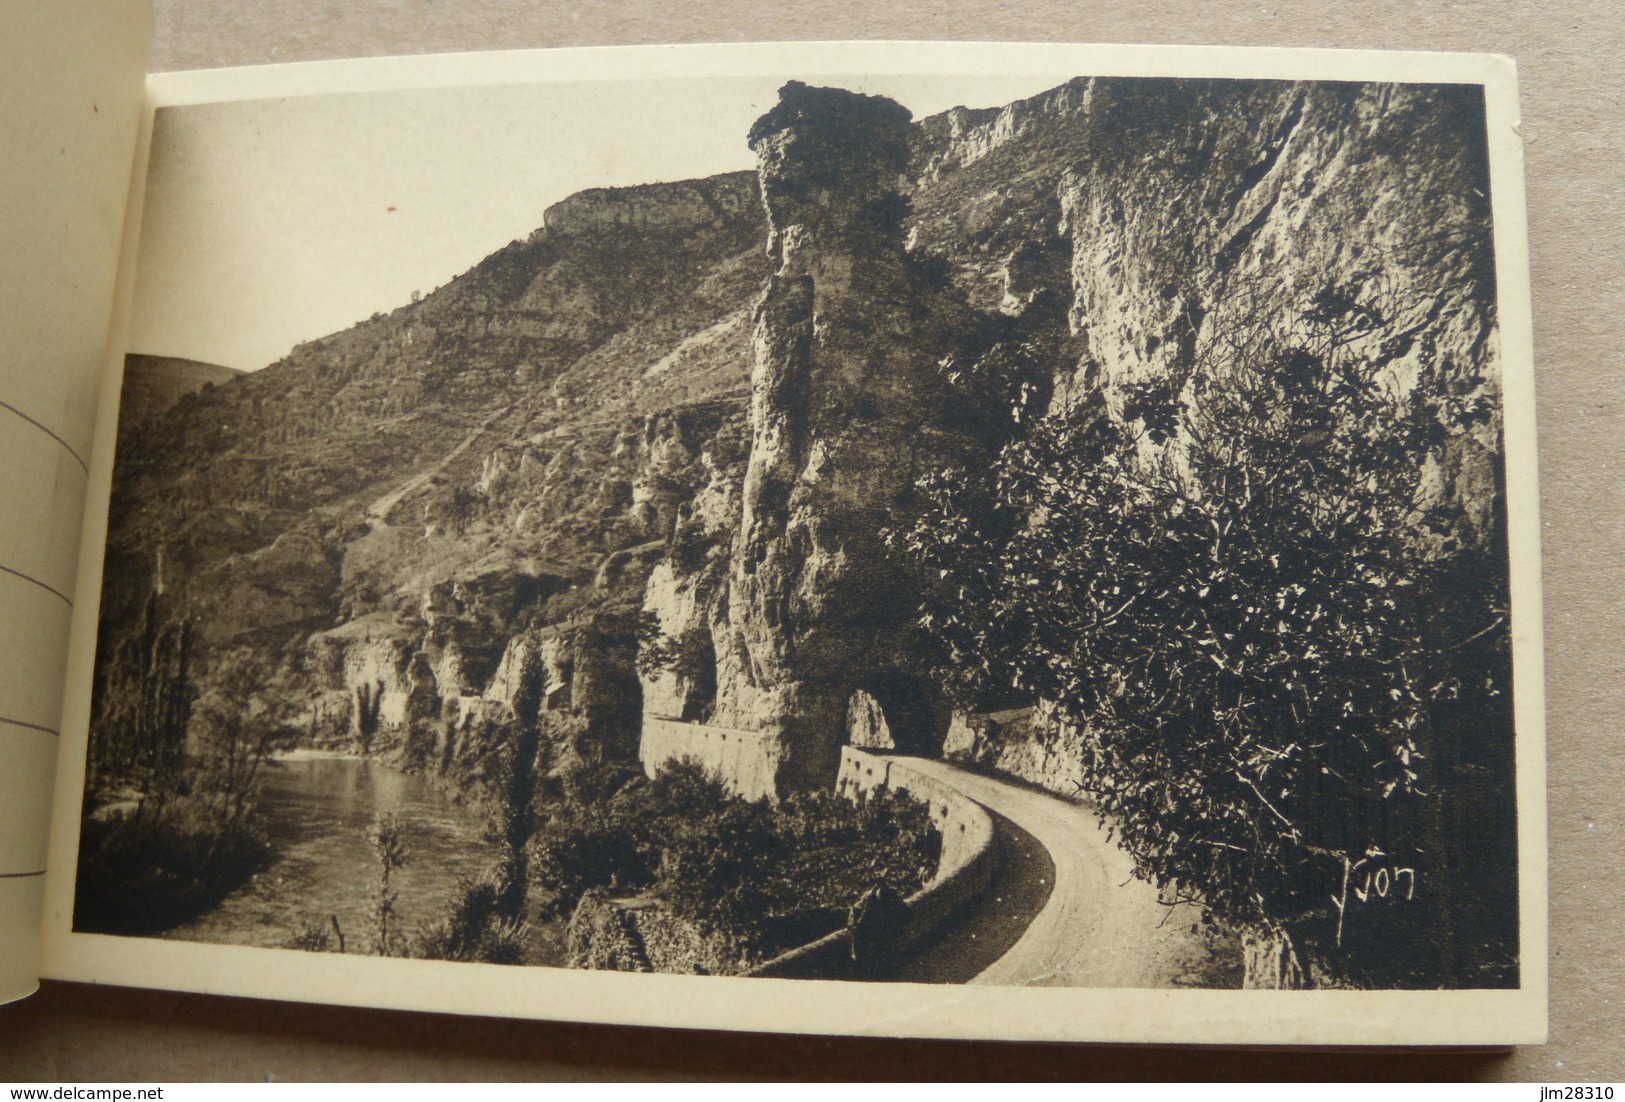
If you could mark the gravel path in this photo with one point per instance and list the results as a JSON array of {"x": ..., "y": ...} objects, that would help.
[{"x": 1098, "y": 925}]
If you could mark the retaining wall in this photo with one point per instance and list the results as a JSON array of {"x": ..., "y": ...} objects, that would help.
[
  {"x": 969, "y": 857},
  {"x": 749, "y": 760}
]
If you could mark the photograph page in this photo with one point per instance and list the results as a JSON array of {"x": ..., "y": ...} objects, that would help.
[{"x": 987, "y": 541}]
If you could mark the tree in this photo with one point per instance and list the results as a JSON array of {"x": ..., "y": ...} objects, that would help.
[
  {"x": 388, "y": 841},
  {"x": 237, "y": 727},
  {"x": 369, "y": 700},
  {"x": 1249, "y": 593},
  {"x": 146, "y": 706}
]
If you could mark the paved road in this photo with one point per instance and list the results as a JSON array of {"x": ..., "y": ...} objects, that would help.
[{"x": 1098, "y": 925}]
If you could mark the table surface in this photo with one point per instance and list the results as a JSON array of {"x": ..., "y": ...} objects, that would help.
[{"x": 1571, "y": 74}]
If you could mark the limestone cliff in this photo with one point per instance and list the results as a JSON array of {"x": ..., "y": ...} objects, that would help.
[
  {"x": 1167, "y": 212},
  {"x": 387, "y": 509},
  {"x": 641, "y": 409},
  {"x": 937, "y": 287},
  {"x": 1172, "y": 218}
]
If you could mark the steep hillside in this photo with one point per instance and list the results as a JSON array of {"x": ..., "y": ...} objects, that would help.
[
  {"x": 513, "y": 429},
  {"x": 1157, "y": 228},
  {"x": 152, "y": 384},
  {"x": 1153, "y": 206}
]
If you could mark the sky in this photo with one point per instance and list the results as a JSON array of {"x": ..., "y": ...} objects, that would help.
[{"x": 274, "y": 221}]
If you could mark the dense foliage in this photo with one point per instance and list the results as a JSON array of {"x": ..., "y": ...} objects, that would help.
[
  {"x": 1250, "y": 594},
  {"x": 742, "y": 869},
  {"x": 168, "y": 827}
]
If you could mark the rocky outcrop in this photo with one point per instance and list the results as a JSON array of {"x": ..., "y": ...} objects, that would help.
[
  {"x": 848, "y": 409},
  {"x": 690, "y": 204},
  {"x": 1034, "y": 744},
  {"x": 686, "y": 592},
  {"x": 458, "y": 470},
  {"x": 290, "y": 584},
  {"x": 866, "y": 725}
]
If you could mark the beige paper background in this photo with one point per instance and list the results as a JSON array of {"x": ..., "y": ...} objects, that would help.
[
  {"x": 70, "y": 74},
  {"x": 1569, "y": 72}
]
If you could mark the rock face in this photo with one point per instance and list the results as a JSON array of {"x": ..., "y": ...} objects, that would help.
[
  {"x": 398, "y": 509},
  {"x": 1170, "y": 216},
  {"x": 1166, "y": 211},
  {"x": 936, "y": 288},
  {"x": 848, "y": 410}
]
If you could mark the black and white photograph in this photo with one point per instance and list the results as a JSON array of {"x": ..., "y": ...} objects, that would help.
[{"x": 1041, "y": 529}]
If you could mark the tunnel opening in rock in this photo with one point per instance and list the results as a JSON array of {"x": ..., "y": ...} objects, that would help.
[
  {"x": 697, "y": 676},
  {"x": 895, "y": 710}
]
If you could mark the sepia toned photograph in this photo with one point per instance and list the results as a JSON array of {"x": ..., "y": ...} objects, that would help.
[{"x": 1029, "y": 531}]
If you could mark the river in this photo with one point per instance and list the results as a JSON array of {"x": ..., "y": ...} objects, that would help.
[{"x": 317, "y": 809}]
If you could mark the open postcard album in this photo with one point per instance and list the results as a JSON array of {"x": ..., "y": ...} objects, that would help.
[{"x": 904, "y": 539}]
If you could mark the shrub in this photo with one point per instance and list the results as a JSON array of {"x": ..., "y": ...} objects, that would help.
[
  {"x": 312, "y": 937},
  {"x": 156, "y": 868},
  {"x": 476, "y": 928},
  {"x": 739, "y": 869},
  {"x": 585, "y": 850},
  {"x": 713, "y": 873},
  {"x": 388, "y": 842}
]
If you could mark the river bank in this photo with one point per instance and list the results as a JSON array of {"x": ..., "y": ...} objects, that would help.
[{"x": 316, "y": 808}]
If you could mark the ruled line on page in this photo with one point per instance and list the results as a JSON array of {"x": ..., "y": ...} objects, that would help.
[
  {"x": 31, "y": 726},
  {"x": 21, "y": 875},
  {"x": 70, "y": 448},
  {"x": 30, "y": 578}
]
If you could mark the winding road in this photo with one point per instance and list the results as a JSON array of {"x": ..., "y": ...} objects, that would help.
[
  {"x": 1094, "y": 926},
  {"x": 379, "y": 509}
]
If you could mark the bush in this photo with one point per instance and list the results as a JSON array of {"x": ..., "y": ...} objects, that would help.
[
  {"x": 739, "y": 869},
  {"x": 587, "y": 850},
  {"x": 589, "y": 781},
  {"x": 718, "y": 872},
  {"x": 475, "y": 929},
  {"x": 312, "y": 937}
]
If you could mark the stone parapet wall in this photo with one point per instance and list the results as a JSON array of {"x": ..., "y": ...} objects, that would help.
[
  {"x": 747, "y": 760},
  {"x": 966, "y": 829},
  {"x": 969, "y": 859}
]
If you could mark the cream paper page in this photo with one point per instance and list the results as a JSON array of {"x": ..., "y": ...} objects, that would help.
[{"x": 71, "y": 73}]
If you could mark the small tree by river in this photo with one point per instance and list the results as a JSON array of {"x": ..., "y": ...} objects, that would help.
[{"x": 389, "y": 847}]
